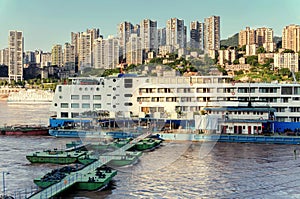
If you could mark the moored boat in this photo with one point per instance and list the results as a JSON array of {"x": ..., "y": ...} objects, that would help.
[
  {"x": 54, "y": 176},
  {"x": 97, "y": 179},
  {"x": 24, "y": 130},
  {"x": 55, "y": 156}
]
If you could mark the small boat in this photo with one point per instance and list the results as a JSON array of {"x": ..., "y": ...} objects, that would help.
[
  {"x": 24, "y": 130},
  {"x": 55, "y": 176},
  {"x": 96, "y": 179},
  {"x": 147, "y": 144},
  {"x": 125, "y": 159},
  {"x": 55, "y": 156}
]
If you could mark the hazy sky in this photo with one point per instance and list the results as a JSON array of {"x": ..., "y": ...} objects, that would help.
[{"x": 48, "y": 22}]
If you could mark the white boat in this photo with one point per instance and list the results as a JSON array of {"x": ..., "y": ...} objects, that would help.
[{"x": 174, "y": 97}]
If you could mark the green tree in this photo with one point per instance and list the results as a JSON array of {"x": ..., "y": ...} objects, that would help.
[
  {"x": 288, "y": 51},
  {"x": 252, "y": 60},
  {"x": 261, "y": 49},
  {"x": 236, "y": 61}
]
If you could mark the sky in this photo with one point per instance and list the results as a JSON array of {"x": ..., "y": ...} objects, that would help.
[{"x": 48, "y": 22}]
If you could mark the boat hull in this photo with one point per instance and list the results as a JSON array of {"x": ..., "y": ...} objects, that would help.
[{"x": 25, "y": 132}]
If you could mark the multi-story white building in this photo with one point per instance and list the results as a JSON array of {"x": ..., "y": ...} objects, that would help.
[
  {"x": 124, "y": 30},
  {"x": 69, "y": 56},
  {"x": 106, "y": 53},
  {"x": 134, "y": 54},
  {"x": 197, "y": 35},
  {"x": 45, "y": 59},
  {"x": 148, "y": 34},
  {"x": 251, "y": 49},
  {"x": 212, "y": 33},
  {"x": 227, "y": 56},
  {"x": 57, "y": 55},
  {"x": 4, "y": 56},
  {"x": 291, "y": 37},
  {"x": 15, "y": 51},
  {"x": 287, "y": 60},
  {"x": 176, "y": 33}
]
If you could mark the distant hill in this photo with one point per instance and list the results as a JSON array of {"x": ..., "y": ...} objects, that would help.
[{"x": 231, "y": 41}]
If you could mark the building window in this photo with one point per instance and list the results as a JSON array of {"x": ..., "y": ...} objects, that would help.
[
  {"x": 127, "y": 95},
  {"x": 97, "y": 106},
  {"x": 74, "y": 97},
  {"x": 74, "y": 115},
  {"x": 60, "y": 97},
  {"x": 97, "y": 97},
  {"x": 85, "y": 105},
  {"x": 128, "y": 104},
  {"x": 85, "y": 97},
  {"x": 64, "y": 105},
  {"x": 59, "y": 88},
  {"x": 97, "y": 89},
  {"x": 128, "y": 83},
  {"x": 64, "y": 114},
  {"x": 74, "y": 105}
]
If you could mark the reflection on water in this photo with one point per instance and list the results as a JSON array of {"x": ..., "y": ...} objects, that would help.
[
  {"x": 11, "y": 113},
  {"x": 175, "y": 170}
]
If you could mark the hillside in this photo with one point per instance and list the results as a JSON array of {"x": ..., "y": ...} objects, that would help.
[{"x": 231, "y": 41}]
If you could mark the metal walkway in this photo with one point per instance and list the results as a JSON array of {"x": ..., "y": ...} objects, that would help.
[{"x": 73, "y": 178}]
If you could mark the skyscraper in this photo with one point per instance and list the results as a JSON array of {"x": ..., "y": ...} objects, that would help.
[
  {"x": 106, "y": 53},
  {"x": 176, "y": 33},
  {"x": 57, "y": 55},
  {"x": 247, "y": 37},
  {"x": 134, "y": 54},
  {"x": 69, "y": 56},
  {"x": 212, "y": 33},
  {"x": 15, "y": 53},
  {"x": 196, "y": 35},
  {"x": 4, "y": 57},
  {"x": 124, "y": 30},
  {"x": 149, "y": 35},
  {"x": 161, "y": 36},
  {"x": 84, "y": 50},
  {"x": 264, "y": 35},
  {"x": 291, "y": 37}
]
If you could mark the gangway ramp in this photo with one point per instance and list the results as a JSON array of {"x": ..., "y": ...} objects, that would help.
[{"x": 77, "y": 176}]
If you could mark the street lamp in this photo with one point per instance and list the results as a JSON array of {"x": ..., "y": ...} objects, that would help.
[{"x": 3, "y": 182}]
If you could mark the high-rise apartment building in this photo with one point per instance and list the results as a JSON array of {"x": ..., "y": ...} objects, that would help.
[
  {"x": 57, "y": 55},
  {"x": 264, "y": 35},
  {"x": 69, "y": 56},
  {"x": 176, "y": 33},
  {"x": 247, "y": 37},
  {"x": 106, "y": 53},
  {"x": 212, "y": 33},
  {"x": 84, "y": 50},
  {"x": 4, "y": 57},
  {"x": 149, "y": 35},
  {"x": 75, "y": 42},
  {"x": 137, "y": 29},
  {"x": 134, "y": 52},
  {"x": 124, "y": 31},
  {"x": 161, "y": 37},
  {"x": 45, "y": 59},
  {"x": 196, "y": 35},
  {"x": 287, "y": 60},
  {"x": 29, "y": 58},
  {"x": 291, "y": 37},
  {"x": 15, "y": 53}
]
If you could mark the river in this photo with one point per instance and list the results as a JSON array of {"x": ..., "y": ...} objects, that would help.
[{"x": 175, "y": 170}]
